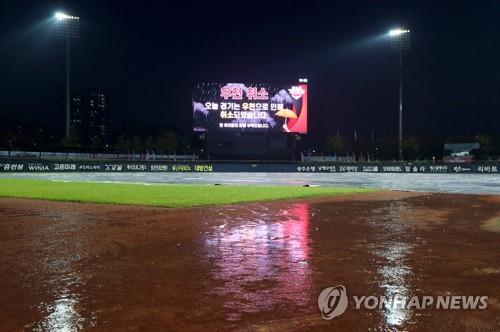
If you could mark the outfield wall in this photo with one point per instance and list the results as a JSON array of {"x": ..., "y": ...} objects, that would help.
[{"x": 40, "y": 166}]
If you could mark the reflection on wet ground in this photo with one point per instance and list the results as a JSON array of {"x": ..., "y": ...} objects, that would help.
[
  {"x": 271, "y": 249},
  {"x": 255, "y": 267},
  {"x": 392, "y": 248}
]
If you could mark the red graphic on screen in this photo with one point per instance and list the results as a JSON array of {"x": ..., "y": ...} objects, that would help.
[{"x": 299, "y": 125}]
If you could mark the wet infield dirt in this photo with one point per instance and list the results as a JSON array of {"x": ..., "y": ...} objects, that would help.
[{"x": 251, "y": 267}]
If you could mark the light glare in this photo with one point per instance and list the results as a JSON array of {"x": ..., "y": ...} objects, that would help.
[
  {"x": 397, "y": 32},
  {"x": 62, "y": 16}
]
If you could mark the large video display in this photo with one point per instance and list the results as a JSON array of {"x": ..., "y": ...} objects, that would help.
[{"x": 250, "y": 107}]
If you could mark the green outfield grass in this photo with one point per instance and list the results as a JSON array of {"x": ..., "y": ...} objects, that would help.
[{"x": 178, "y": 195}]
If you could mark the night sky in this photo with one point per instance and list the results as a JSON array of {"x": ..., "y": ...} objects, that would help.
[{"x": 148, "y": 56}]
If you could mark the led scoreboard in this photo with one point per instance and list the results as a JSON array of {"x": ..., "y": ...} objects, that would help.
[{"x": 250, "y": 107}]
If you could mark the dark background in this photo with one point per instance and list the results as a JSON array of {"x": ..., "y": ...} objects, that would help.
[{"x": 148, "y": 56}]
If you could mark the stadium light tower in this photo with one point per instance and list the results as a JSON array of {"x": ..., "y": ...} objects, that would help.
[
  {"x": 400, "y": 41},
  {"x": 68, "y": 28}
]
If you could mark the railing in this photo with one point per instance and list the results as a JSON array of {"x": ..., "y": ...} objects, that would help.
[
  {"x": 327, "y": 158},
  {"x": 97, "y": 156}
]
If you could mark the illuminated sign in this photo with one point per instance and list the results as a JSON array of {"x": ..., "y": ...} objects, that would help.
[{"x": 250, "y": 107}]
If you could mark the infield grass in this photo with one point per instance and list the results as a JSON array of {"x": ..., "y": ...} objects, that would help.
[
  {"x": 167, "y": 195},
  {"x": 492, "y": 225}
]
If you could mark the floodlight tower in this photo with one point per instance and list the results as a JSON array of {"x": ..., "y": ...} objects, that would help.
[
  {"x": 400, "y": 41},
  {"x": 68, "y": 28}
]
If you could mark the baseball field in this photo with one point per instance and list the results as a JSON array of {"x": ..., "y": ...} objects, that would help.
[{"x": 151, "y": 256}]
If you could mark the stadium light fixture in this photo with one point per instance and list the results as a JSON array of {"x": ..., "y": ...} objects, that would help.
[
  {"x": 63, "y": 16},
  {"x": 400, "y": 41},
  {"x": 397, "y": 32},
  {"x": 60, "y": 16},
  {"x": 68, "y": 29}
]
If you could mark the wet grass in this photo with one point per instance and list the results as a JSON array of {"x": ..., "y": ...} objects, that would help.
[
  {"x": 492, "y": 225},
  {"x": 167, "y": 195}
]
